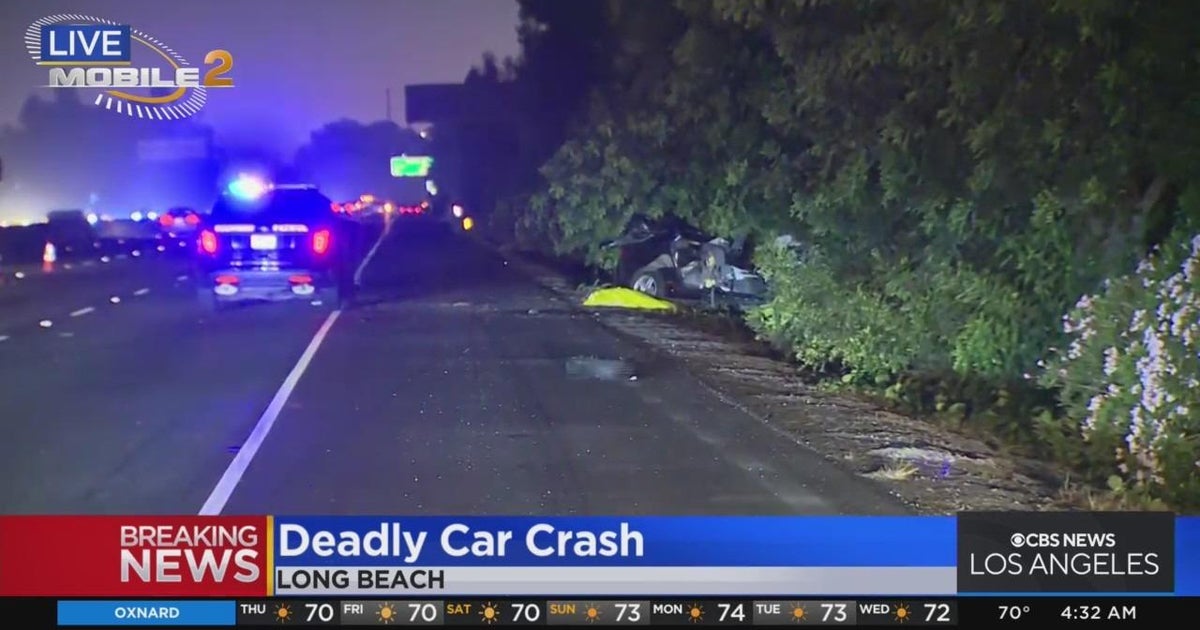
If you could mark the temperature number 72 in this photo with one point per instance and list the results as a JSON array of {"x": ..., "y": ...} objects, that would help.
[{"x": 937, "y": 613}]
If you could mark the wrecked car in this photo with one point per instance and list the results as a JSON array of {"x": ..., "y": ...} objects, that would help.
[{"x": 669, "y": 258}]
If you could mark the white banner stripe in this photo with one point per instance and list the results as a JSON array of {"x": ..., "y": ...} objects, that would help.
[{"x": 630, "y": 581}]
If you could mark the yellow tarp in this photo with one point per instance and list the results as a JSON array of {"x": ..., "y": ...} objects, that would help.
[{"x": 621, "y": 297}]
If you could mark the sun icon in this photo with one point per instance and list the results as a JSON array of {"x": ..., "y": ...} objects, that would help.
[
  {"x": 797, "y": 613},
  {"x": 386, "y": 613},
  {"x": 283, "y": 613},
  {"x": 696, "y": 614},
  {"x": 592, "y": 614},
  {"x": 902, "y": 613},
  {"x": 489, "y": 614}
]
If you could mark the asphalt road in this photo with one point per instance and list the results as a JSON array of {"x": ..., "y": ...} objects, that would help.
[{"x": 455, "y": 388}]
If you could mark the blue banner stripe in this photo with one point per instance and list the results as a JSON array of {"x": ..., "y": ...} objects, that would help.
[
  {"x": 1187, "y": 556},
  {"x": 665, "y": 541}
]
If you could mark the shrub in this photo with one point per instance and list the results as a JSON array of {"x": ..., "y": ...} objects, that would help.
[{"x": 1129, "y": 378}]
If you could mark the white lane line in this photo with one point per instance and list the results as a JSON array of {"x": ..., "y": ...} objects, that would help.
[
  {"x": 3, "y": 338},
  {"x": 233, "y": 474},
  {"x": 141, "y": 292},
  {"x": 182, "y": 278},
  {"x": 114, "y": 299},
  {"x": 241, "y": 462},
  {"x": 370, "y": 254},
  {"x": 83, "y": 311},
  {"x": 45, "y": 323}
]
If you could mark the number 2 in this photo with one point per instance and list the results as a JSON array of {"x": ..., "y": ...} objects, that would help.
[{"x": 224, "y": 63}]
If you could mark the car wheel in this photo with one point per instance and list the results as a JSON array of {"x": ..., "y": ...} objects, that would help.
[
  {"x": 345, "y": 298},
  {"x": 651, "y": 283},
  {"x": 210, "y": 302},
  {"x": 326, "y": 296}
]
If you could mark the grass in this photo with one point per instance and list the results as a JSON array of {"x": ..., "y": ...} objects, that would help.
[
  {"x": 899, "y": 471},
  {"x": 1089, "y": 497}
]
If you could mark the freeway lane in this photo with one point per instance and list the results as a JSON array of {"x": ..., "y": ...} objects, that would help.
[
  {"x": 74, "y": 286},
  {"x": 450, "y": 391},
  {"x": 136, "y": 411},
  {"x": 452, "y": 394}
]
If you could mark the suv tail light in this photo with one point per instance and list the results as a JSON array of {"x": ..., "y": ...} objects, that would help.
[
  {"x": 208, "y": 242},
  {"x": 320, "y": 241},
  {"x": 192, "y": 219},
  {"x": 166, "y": 220}
]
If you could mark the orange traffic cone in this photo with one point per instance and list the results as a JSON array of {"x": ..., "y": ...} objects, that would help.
[{"x": 49, "y": 256}]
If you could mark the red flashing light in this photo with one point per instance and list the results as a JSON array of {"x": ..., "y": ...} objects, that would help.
[
  {"x": 320, "y": 241},
  {"x": 208, "y": 242}
]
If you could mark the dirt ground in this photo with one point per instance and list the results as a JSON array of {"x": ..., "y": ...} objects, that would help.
[{"x": 933, "y": 469}]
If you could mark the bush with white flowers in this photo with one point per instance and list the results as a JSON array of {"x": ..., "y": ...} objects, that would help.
[{"x": 1130, "y": 379}]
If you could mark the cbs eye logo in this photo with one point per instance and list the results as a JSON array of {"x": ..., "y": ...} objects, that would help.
[{"x": 91, "y": 53}]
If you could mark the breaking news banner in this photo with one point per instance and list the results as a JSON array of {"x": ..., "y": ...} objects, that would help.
[
  {"x": 862, "y": 571},
  {"x": 611, "y": 556},
  {"x": 134, "y": 556},
  {"x": 112, "y": 556}
]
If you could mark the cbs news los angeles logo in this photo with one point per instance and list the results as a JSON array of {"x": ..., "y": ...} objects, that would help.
[{"x": 88, "y": 52}]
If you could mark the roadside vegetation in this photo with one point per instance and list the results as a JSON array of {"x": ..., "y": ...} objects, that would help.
[{"x": 996, "y": 200}]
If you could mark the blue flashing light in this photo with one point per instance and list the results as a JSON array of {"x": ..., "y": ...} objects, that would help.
[{"x": 248, "y": 187}]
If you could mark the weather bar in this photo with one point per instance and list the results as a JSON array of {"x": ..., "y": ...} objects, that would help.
[{"x": 966, "y": 612}]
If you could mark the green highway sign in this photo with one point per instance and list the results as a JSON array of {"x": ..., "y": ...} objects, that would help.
[{"x": 411, "y": 166}]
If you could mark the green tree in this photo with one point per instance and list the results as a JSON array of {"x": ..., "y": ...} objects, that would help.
[{"x": 959, "y": 172}]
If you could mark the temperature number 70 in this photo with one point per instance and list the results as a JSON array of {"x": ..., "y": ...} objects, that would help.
[{"x": 1013, "y": 613}]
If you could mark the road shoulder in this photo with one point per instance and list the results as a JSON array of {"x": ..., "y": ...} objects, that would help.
[{"x": 932, "y": 469}]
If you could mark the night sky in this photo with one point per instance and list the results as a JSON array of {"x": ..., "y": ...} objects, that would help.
[{"x": 297, "y": 63}]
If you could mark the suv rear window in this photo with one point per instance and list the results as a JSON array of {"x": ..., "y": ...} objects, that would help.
[
  {"x": 301, "y": 205},
  {"x": 56, "y": 216}
]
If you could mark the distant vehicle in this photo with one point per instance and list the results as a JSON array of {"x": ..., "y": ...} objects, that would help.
[
  {"x": 264, "y": 242},
  {"x": 124, "y": 231},
  {"x": 179, "y": 224},
  {"x": 70, "y": 231},
  {"x": 367, "y": 205}
]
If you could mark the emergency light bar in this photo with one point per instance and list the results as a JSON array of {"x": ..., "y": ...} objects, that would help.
[{"x": 248, "y": 187}]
